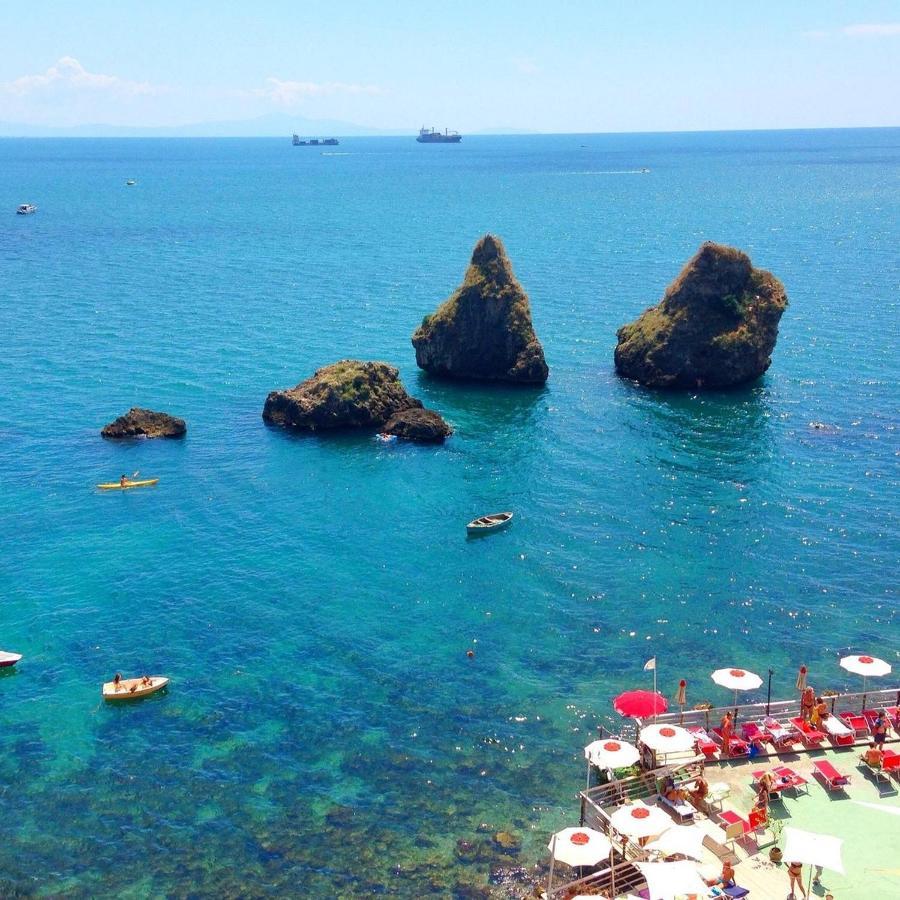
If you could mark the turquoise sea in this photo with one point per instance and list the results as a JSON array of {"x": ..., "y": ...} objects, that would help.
[{"x": 313, "y": 598}]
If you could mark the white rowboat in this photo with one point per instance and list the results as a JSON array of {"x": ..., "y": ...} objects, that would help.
[
  {"x": 9, "y": 659},
  {"x": 133, "y": 688},
  {"x": 492, "y": 522}
]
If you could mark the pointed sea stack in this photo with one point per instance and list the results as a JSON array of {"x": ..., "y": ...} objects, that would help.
[
  {"x": 346, "y": 394},
  {"x": 715, "y": 327},
  {"x": 483, "y": 331}
]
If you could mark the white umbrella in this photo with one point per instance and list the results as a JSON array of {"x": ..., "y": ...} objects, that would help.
[
  {"x": 637, "y": 820},
  {"x": 736, "y": 680},
  {"x": 814, "y": 849},
  {"x": 579, "y": 846},
  {"x": 667, "y": 738},
  {"x": 867, "y": 666},
  {"x": 669, "y": 880},
  {"x": 611, "y": 754},
  {"x": 684, "y": 839}
]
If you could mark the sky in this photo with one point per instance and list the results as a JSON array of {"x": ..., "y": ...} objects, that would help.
[{"x": 563, "y": 66}]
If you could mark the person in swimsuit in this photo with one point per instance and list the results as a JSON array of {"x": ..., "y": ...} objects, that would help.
[
  {"x": 874, "y": 756},
  {"x": 123, "y": 481},
  {"x": 701, "y": 789},
  {"x": 795, "y": 874},
  {"x": 879, "y": 729},
  {"x": 807, "y": 702},
  {"x": 117, "y": 681},
  {"x": 821, "y": 711},
  {"x": 726, "y": 879},
  {"x": 727, "y": 731}
]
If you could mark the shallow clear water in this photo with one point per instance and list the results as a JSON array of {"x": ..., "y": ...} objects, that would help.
[{"x": 313, "y": 598}]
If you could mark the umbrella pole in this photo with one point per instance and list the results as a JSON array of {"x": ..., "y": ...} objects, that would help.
[
  {"x": 612, "y": 872},
  {"x": 552, "y": 862},
  {"x": 864, "y": 693}
]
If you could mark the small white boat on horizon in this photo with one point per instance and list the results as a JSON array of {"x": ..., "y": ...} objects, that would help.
[
  {"x": 130, "y": 182},
  {"x": 24, "y": 209},
  {"x": 488, "y": 523}
]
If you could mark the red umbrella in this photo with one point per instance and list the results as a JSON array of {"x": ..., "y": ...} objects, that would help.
[{"x": 640, "y": 704}]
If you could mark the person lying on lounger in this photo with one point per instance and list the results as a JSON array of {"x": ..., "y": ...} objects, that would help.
[{"x": 726, "y": 879}]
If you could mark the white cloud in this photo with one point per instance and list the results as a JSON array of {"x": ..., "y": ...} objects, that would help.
[
  {"x": 290, "y": 93},
  {"x": 882, "y": 29},
  {"x": 69, "y": 73}
]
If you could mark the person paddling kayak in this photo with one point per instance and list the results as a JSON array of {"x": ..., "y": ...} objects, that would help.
[{"x": 123, "y": 481}]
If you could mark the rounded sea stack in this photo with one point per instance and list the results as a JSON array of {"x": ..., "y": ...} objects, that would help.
[
  {"x": 424, "y": 426},
  {"x": 346, "y": 394},
  {"x": 484, "y": 330},
  {"x": 145, "y": 423},
  {"x": 715, "y": 327}
]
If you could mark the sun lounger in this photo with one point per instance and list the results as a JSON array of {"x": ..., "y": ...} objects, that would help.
[
  {"x": 891, "y": 763},
  {"x": 704, "y": 743},
  {"x": 841, "y": 734},
  {"x": 786, "y": 779},
  {"x": 755, "y": 735},
  {"x": 782, "y": 738},
  {"x": 774, "y": 791},
  {"x": 870, "y": 715},
  {"x": 681, "y": 810},
  {"x": 810, "y": 736},
  {"x": 855, "y": 721},
  {"x": 893, "y": 714},
  {"x": 834, "y": 780},
  {"x": 736, "y": 746}
]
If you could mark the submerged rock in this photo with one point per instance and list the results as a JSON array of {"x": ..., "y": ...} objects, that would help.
[
  {"x": 139, "y": 422},
  {"x": 484, "y": 330},
  {"x": 507, "y": 842},
  {"x": 422, "y": 425},
  {"x": 346, "y": 394},
  {"x": 715, "y": 327}
]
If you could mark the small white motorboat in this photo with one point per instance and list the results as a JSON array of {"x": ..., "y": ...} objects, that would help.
[
  {"x": 24, "y": 209},
  {"x": 492, "y": 522},
  {"x": 133, "y": 688},
  {"x": 8, "y": 659},
  {"x": 130, "y": 182}
]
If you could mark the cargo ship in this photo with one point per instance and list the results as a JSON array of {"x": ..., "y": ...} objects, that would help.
[
  {"x": 430, "y": 136},
  {"x": 314, "y": 142}
]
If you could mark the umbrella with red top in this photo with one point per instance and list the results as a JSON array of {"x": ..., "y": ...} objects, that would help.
[{"x": 640, "y": 704}]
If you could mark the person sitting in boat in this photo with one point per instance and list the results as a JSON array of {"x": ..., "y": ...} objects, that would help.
[
  {"x": 117, "y": 681},
  {"x": 123, "y": 481},
  {"x": 146, "y": 681}
]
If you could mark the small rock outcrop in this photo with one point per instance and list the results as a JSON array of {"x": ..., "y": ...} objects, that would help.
[
  {"x": 422, "y": 425},
  {"x": 146, "y": 423},
  {"x": 483, "y": 331},
  {"x": 715, "y": 327},
  {"x": 347, "y": 394}
]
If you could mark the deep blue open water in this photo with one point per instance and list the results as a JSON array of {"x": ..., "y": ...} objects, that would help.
[{"x": 313, "y": 598}]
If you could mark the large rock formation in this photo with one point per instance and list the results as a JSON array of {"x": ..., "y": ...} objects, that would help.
[
  {"x": 139, "y": 422},
  {"x": 347, "y": 394},
  {"x": 422, "y": 425},
  {"x": 715, "y": 327},
  {"x": 484, "y": 329}
]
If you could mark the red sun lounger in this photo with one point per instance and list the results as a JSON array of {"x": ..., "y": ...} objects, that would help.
[
  {"x": 755, "y": 735},
  {"x": 810, "y": 736},
  {"x": 782, "y": 738},
  {"x": 736, "y": 746},
  {"x": 787, "y": 779},
  {"x": 705, "y": 744},
  {"x": 855, "y": 721},
  {"x": 891, "y": 763},
  {"x": 834, "y": 780},
  {"x": 841, "y": 734}
]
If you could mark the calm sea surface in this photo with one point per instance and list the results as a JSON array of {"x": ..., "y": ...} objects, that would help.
[{"x": 313, "y": 598}]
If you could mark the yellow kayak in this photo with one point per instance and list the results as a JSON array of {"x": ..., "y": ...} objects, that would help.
[{"x": 118, "y": 486}]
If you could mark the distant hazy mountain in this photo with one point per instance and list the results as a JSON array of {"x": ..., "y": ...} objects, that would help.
[{"x": 273, "y": 125}]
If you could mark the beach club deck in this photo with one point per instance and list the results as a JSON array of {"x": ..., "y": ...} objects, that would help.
[{"x": 830, "y": 792}]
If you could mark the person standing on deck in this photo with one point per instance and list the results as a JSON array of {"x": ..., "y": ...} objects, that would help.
[{"x": 807, "y": 702}]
